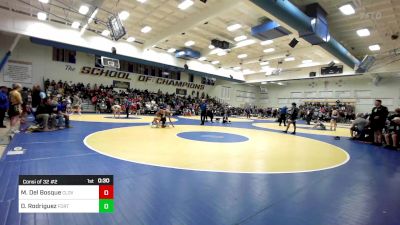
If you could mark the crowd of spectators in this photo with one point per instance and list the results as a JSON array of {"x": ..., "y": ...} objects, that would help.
[{"x": 52, "y": 106}]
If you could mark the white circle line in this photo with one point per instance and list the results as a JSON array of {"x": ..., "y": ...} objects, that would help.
[{"x": 215, "y": 171}]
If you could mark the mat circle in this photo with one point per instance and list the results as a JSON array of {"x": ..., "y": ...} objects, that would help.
[
  {"x": 208, "y": 136},
  {"x": 263, "y": 152},
  {"x": 123, "y": 116}
]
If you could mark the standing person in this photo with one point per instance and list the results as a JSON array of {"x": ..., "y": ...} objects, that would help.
[
  {"x": 203, "y": 111},
  {"x": 334, "y": 118},
  {"x": 128, "y": 104},
  {"x": 15, "y": 109},
  {"x": 210, "y": 114},
  {"x": 248, "y": 112},
  {"x": 294, "y": 112},
  {"x": 378, "y": 120},
  {"x": 76, "y": 104},
  {"x": 36, "y": 99},
  {"x": 282, "y": 116},
  {"x": 4, "y": 103},
  {"x": 309, "y": 115}
]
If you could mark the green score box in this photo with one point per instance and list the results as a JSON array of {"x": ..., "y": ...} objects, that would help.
[{"x": 106, "y": 205}]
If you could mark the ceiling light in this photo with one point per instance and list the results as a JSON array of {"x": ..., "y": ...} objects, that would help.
[
  {"x": 105, "y": 33},
  {"x": 130, "y": 39},
  {"x": 146, "y": 29},
  {"x": 247, "y": 71},
  {"x": 267, "y": 42},
  {"x": 211, "y": 46},
  {"x": 123, "y": 15},
  {"x": 216, "y": 51},
  {"x": 171, "y": 50},
  {"x": 44, "y": 1},
  {"x": 189, "y": 43},
  {"x": 83, "y": 9},
  {"x": 363, "y": 32},
  {"x": 75, "y": 25},
  {"x": 245, "y": 43},
  {"x": 93, "y": 15},
  {"x": 288, "y": 59},
  {"x": 42, "y": 16},
  {"x": 221, "y": 53},
  {"x": 268, "y": 50},
  {"x": 141, "y": 1},
  {"x": 374, "y": 47},
  {"x": 307, "y": 61},
  {"x": 234, "y": 27},
  {"x": 264, "y": 63},
  {"x": 313, "y": 21},
  {"x": 185, "y": 4},
  {"x": 237, "y": 68},
  {"x": 202, "y": 58},
  {"x": 264, "y": 82},
  {"x": 242, "y": 56},
  {"x": 265, "y": 68},
  {"x": 215, "y": 62},
  {"x": 347, "y": 9},
  {"x": 240, "y": 38}
]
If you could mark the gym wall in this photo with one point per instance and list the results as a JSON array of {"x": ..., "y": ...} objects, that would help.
[{"x": 43, "y": 67}]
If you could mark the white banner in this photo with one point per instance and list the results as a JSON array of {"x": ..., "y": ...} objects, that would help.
[{"x": 18, "y": 72}]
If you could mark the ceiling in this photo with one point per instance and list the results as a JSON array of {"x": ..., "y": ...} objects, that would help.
[
  {"x": 381, "y": 17},
  {"x": 202, "y": 22}
]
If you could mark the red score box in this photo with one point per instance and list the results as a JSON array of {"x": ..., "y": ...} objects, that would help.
[{"x": 106, "y": 192}]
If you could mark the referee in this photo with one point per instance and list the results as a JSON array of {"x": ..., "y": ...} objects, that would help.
[
  {"x": 203, "y": 111},
  {"x": 294, "y": 112}
]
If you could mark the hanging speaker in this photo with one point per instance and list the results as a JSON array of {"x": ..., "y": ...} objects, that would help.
[
  {"x": 293, "y": 43},
  {"x": 313, "y": 74}
]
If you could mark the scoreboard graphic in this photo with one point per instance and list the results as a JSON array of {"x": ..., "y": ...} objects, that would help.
[{"x": 66, "y": 194}]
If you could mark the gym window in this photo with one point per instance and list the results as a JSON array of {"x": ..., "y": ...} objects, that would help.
[
  {"x": 64, "y": 55},
  {"x": 191, "y": 78}
]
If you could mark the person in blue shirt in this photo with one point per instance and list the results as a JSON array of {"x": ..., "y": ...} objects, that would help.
[
  {"x": 203, "y": 111},
  {"x": 62, "y": 115},
  {"x": 282, "y": 116},
  {"x": 4, "y": 104}
]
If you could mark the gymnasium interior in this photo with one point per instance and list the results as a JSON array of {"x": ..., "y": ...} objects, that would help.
[{"x": 199, "y": 112}]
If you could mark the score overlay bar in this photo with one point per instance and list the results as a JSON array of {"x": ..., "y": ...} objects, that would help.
[{"x": 66, "y": 194}]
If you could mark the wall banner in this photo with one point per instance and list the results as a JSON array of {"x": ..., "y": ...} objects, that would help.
[{"x": 18, "y": 72}]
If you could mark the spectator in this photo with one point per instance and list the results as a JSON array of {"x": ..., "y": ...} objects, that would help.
[
  {"x": 62, "y": 114},
  {"x": 44, "y": 114},
  {"x": 378, "y": 120},
  {"x": 15, "y": 109},
  {"x": 357, "y": 129},
  {"x": 76, "y": 104},
  {"x": 36, "y": 96},
  {"x": 282, "y": 116},
  {"x": 393, "y": 130},
  {"x": 4, "y": 103}
]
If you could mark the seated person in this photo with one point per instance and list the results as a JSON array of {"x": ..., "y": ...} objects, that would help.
[
  {"x": 319, "y": 125},
  {"x": 44, "y": 113},
  {"x": 393, "y": 131},
  {"x": 357, "y": 129},
  {"x": 62, "y": 114}
]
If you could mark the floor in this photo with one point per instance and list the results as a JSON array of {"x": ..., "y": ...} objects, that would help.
[{"x": 247, "y": 172}]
